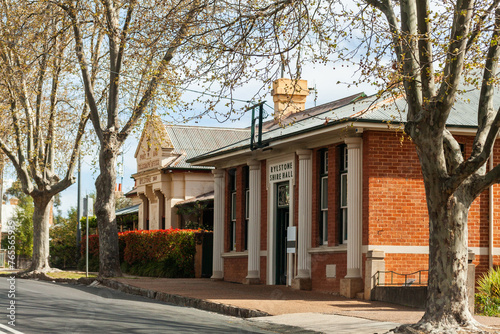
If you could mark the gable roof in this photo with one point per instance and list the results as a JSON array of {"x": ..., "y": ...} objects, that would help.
[
  {"x": 362, "y": 109},
  {"x": 155, "y": 131},
  {"x": 192, "y": 141}
]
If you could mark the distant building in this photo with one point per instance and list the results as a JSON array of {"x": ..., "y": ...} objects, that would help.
[
  {"x": 8, "y": 210},
  {"x": 164, "y": 178}
]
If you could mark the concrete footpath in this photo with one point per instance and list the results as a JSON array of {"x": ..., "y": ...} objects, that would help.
[{"x": 310, "y": 310}]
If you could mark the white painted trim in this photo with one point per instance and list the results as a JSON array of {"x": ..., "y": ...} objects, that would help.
[
  {"x": 234, "y": 254},
  {"x": 325, "y": 249},
  {"x": 484, "y": 251},
  {"x": 271, "y": 212},
  {"x": 397, "y": 249}
]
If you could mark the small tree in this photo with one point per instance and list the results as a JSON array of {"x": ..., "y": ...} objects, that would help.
[
  {"x": 22, "y": 222},
  {"x": 41, "y": 127},
  {"x": 63, "y": 248}
]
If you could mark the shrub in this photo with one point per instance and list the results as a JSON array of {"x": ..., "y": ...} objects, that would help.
[
  {"x": 93, "y": 253},
  {"x": 157, "y": 253},
  {"x": 488, "y": 296}
]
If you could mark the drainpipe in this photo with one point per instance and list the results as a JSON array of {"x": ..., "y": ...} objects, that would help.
[{"x": 490, "y": 219}]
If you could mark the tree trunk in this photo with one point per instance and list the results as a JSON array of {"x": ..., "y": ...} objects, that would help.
[
  {"x": 109, "y": 262},
  {"x": 41, "y": 225},
  {"x": 447, "y": 303}
]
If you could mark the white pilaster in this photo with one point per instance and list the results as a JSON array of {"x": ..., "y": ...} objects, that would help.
[
  {"x": 145, "y": 211},
  {"x": 218, "y": 246},
  {"x": 305, "y": 213},
  {"x": 254, "y": 222},
  {"x": 354, "y": 205}
]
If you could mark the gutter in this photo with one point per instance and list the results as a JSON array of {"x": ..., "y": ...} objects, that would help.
[{"x": 210, "y": 155}]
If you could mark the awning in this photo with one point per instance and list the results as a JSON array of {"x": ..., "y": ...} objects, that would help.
[
  {"x": 200, "y": 198},
  {"x": 128, "y": 210}
]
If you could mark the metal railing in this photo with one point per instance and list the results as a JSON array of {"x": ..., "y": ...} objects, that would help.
[{"x": 408, "y": 278}]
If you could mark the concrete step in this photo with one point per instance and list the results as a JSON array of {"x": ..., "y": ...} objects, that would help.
[{"x": 360, "y": 295}]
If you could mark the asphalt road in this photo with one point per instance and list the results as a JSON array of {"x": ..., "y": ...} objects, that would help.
[{"x": 45, "y": 307}]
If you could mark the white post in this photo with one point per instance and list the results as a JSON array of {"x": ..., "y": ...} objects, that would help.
[
  {"x": 354, "y": 206},
  {"x": 88, "y": 210},
  {"x": 305, "y": 214},
  {"x": 218, "y": 245},
  {"x": 253, "y": 276}
]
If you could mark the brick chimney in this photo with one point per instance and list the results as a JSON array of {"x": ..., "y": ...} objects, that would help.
[{"x": 289, "y": 97}]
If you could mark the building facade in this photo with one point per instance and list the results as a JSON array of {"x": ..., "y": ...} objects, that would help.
[
  {"x": 333, "y": 198},
  {"x": 163, "y": 176}
]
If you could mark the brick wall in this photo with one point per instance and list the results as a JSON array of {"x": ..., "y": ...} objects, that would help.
[
  {"x": 235, "y": 269},
  {"x": 393, "y": 192},
  {"x": 318, "y": 271},
  {"x": 394, "y": 206},
  {"x": 263, "y": 269}
]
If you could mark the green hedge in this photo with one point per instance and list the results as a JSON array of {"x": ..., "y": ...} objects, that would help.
[{"x": 157, "y": 253}]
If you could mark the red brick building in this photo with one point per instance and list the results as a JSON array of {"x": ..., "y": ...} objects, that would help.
[{"x": 343, "y": 179}]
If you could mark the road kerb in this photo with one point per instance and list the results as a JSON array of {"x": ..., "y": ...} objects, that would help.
[{"x": 184, "y": 301}]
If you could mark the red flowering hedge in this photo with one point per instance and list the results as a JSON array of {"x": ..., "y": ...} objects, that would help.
[{"x": 166, "y": 253}]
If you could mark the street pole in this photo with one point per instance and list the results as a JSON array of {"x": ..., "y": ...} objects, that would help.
[
  {"x": 88, "y": 210},
  {"x": 87, "y": 246},
  {"x": 1, "y": 199},
  {"x": 78, "y": 210}
]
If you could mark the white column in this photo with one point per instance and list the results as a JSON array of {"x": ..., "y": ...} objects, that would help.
[
  {"x": 218, "y": 246},
  {"x": 354, "y": 205},
  {"x": 254, "y": 222},
  {"x": 305, "y": 213},
  {"x": 145, "y": 211}
]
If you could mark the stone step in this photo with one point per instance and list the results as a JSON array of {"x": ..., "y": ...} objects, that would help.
[{"x": 360, "y": 295}]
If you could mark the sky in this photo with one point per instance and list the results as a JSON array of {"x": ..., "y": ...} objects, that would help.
[{"x": 324, "y": 78}]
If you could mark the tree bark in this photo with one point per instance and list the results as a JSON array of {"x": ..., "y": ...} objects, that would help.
[
  {"x": 109, "y": 262},
  {"x": 447, "y": 303},
  {"x": 41, "y": 225}
]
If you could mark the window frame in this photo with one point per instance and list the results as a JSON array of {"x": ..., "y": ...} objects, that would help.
[
  {"x": 323, "y": 197},
  {"x": 232, "y": 209},
  {"x": 343, "y": 213}
]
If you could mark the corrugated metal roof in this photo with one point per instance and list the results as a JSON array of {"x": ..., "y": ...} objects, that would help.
[
  {"x": 311, "y": 112},
  {"x": 200, "y": 198},
  {"x": 191, "y": 141},
  {"x": 464, "y": 113},
  {"x": 128, "y": 210}
]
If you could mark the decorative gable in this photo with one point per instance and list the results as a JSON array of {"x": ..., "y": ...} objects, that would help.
[{"x": 155, "y": 146}]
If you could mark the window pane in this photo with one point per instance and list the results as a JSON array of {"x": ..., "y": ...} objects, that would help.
[
  {"x": 343, "y": 190},
  {"x": 344, "y": 224},
  {"x": 233, "y": 206},
  {"x": 325, "y": 227},
  {"x": 326, "y": 162},
  {"x": 247, "y": 204},
  {"x": 324, "y": 193},
  {"x": 283, "y": 195},
  {"x": 234, "y": 235},
  {"x": 345, "y": 158}
]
